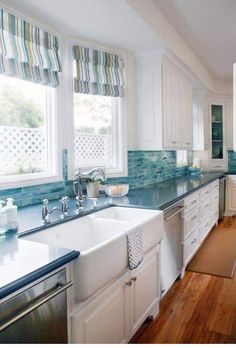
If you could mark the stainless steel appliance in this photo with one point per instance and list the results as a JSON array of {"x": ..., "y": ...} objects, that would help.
[
  {"x": 222, "y": 197},
  {"x": 38, "y": 314},
  {"x": 171, "y": 246}
]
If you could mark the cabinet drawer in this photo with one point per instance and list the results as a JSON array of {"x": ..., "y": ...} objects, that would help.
[
  {"x": 215, "y": 215},
  {"x": 191, "y": 202},
  {"x": 205, "y": 192},
  {"x": 215, "y": 199},
  {"x": 215, "y": 185},
  {"x": 191, "y": 246},
  {"x": 206, "y": 207},
  {"x": 191, "y": 221},
  {"x": 205, "y": 227}
]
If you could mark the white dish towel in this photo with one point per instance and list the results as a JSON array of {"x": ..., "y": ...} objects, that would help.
[{"x": 135, "y": 246}]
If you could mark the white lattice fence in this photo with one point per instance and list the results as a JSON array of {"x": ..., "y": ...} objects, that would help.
[
  {"x": 92, "y": 150},
  {"x": 22, "y": 150}
]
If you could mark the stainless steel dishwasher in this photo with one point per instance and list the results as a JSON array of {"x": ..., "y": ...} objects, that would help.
[
  {"x": 171, "y": 246},
  {"x": 38, "y": 314}
]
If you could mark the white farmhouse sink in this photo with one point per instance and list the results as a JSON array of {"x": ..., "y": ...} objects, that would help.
[{"x": 101, "y": 240}]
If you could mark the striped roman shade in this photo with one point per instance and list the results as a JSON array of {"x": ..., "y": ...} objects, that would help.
[
  {"x": 98, "y": 72},
  {"x": 28, "y": 52}
]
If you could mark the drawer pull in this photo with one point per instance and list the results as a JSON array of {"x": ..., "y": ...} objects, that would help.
[
  {"x": 194, "y": 241},
  {"x": 129, "y": 283},
  {"x": 195, "y": 201},
  {"x": 207, "y": 205},
  {"x": 194, "y": 217},
  {"x": 206, "y": 193},
  {"x": 134, "y": 279}
]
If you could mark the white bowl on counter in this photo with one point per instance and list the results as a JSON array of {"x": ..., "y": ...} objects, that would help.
[{"x": 117, "y": 190}]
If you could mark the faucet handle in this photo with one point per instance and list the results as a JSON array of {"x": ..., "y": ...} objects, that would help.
[
  {"x": 64, "y": 205},
  {"x": 79, "y": 203},
  {"x": 64, "y": 199},
  {"x": 45, "y": 202}
]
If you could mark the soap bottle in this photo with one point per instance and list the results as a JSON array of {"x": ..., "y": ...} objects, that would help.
[
  {"x": 3, "y": 219},
  {"x": 12, "y": 217}
]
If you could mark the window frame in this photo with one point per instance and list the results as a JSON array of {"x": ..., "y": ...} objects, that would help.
[
  {"x": 121, "y": 169},
  {"x": 54, "y": 171}
]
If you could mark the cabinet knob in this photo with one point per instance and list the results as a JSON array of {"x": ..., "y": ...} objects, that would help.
[
  {"x": 134, "y": 279},
  {"x": 129, "y": 282}
]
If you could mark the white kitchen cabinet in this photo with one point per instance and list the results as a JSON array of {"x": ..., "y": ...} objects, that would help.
[
  {"x": 230, "y": 194},
  {"x": 145, "y": 292},
  {"x": 104, "y": 319},
  {"x": 220, "y": 163},
  {"x": 229, "y": 123},
  {"x": 201, "y": 213},
  {"x": 115, "y": 313},
  {"x": 177, "y": 108},
  {"x": 164, "y": 95},
  {"x": 201, "y": 133}
]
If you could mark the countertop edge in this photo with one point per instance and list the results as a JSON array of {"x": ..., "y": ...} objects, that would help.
[
  {"x": 38, "y": 273},
  {"x": 166, "y": 205}
]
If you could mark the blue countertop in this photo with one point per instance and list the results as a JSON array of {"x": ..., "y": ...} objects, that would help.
[{"x": 22, "y": 261}]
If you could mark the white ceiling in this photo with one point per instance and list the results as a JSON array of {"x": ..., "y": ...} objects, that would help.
[
  {"x": 112, "y": 22},
  {"x": 209, "y": 29}
]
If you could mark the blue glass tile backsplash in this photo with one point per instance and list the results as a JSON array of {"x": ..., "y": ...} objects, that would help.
[
  {"x": 149, "y": 167},
  {"x": 144, "y": 168}
]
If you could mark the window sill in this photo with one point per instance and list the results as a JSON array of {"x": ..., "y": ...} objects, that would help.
[{"x": 24, "y": 181}]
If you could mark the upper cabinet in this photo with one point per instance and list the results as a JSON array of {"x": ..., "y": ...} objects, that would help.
[
  {"x": 177, "y": 109},
  {"x": 200, "y": 123},
  {"x": 164, "y": 104},
  {"x": 213, "y": 129}
]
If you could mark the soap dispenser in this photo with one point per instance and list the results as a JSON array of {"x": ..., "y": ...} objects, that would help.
[
  {"x": 11, "y": 212},
  {"x": 3, "y": 219}
]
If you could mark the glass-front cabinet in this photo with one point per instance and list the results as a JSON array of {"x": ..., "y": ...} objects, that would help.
[
  {"x": 217, "y": 153},
  {"x": 217, "y": 132}
]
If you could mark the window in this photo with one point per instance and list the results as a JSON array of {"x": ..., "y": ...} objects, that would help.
[
  {"x": 25, "y": 131},
  {"x": 98, "y": 132},
  {"x": 181, "y": 158}
]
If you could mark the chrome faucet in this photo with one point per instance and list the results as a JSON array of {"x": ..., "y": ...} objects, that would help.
[
  {"x": 64, "y": 206},
  {"x": 46, "y": 212},
  {"x": 95, "y": 174}
]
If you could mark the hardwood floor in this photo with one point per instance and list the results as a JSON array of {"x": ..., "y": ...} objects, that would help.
[{"x": 198, "y": 309}]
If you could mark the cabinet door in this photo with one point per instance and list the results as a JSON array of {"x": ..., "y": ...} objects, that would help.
[
  {"x": 106, "y": 318},
  {"x": 186, "y": 115},
  {"x": 231, "y": 197},
  {"x": 145, "y": 290},
  {"x": 169, "y": 114},
  {"x": 177, "y": 110}
]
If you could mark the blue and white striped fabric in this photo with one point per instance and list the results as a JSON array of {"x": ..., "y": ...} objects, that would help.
[
  {"x": 28, "y": 52},
  {"x": 98, "y": 72}
]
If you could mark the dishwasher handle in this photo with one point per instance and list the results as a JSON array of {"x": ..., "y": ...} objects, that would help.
[
  {"x": 59, "y": 288},
  {"x": 173, "y": 212}
]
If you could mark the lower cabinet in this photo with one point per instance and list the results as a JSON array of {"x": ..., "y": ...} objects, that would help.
[
  {"x": 231, "y": 194},
  {"x": 115, "y": 313},
  {"x": 201, "y": 212},
  {"x": 145, "y": 291}
]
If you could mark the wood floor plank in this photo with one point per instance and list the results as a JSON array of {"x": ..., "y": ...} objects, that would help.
[{"x": 224, "y": 316}]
